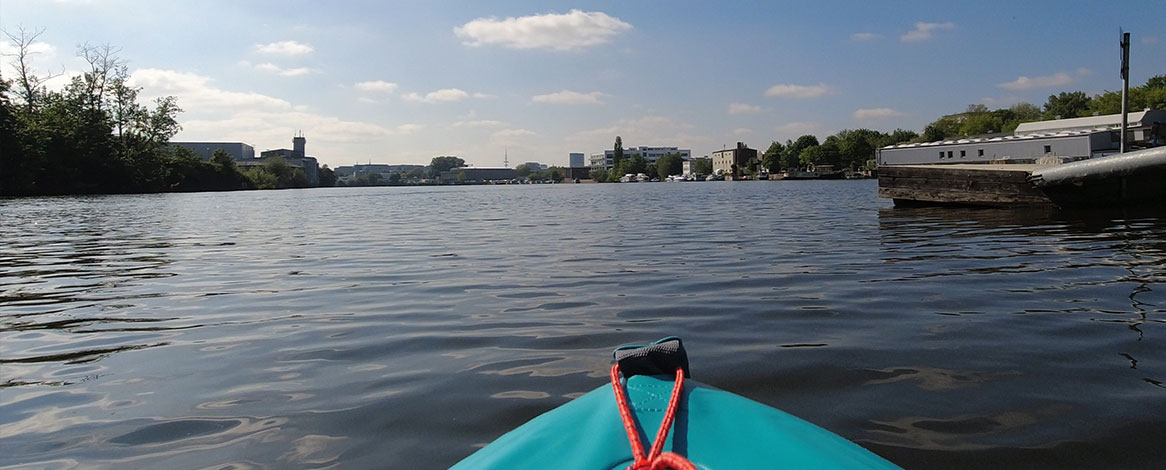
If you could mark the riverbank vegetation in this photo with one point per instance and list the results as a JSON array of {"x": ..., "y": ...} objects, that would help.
[{"x": 93, "y": 136}]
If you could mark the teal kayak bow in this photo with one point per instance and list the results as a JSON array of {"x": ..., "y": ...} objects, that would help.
[{"x": 692, "y": 424}]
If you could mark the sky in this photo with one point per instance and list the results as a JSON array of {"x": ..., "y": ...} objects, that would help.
[{"x": 401, "y": 82}]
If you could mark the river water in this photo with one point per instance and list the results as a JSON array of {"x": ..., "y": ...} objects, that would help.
[{"x": 406, "y": 327}]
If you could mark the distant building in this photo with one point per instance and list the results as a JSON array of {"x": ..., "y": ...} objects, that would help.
[
  {"x": 688, "y": 167},
  {"x": 577, "y": 167},
  {"x": 238, "y": 150},
  {"x": 605, "y": 160},
  {"x": 1064, "y": 139},
  {"x": 296, "y": 158},
  {"x": 734, "y": 161},
  {"x": 477, "y": 175}
]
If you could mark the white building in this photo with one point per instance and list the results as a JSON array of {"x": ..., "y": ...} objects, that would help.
[
  {"x": 1069, "y": 139},
  {"x": 605, "y": 160}
]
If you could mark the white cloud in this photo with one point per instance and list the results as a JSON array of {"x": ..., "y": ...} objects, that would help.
[
  {"x": 479, "y": 123},
  {"x": 741, "y": 131},
  {"x": 405, "y": 129},
  {"x": 378, "y": 86},
  {"x": 1083, "y": 72},
  {"x": 484, "y": 96},
  {"x": 444, "y": 95},
  {"x": 289, "y": 48},
  {"x": 1028, "y": 83},
  {"x": 863, "y": 37},
  {"x": 573, "y": 30},
  {"x": 876, "y": 113},
  {"x": 742, "y": 108},
  {"x": 294, "y": 72},
  {"x": 1149, "y": 40},
  {"x": 798, "y": 91},
  {"x": 796, "y": 129},
  {"x": 923, "y": 30},
  {"x": 569, "y": 97},
  {"x": 513, "y": 133},
  {"x": 195, "y": 92},
  {"x": 34, "y": 49}
]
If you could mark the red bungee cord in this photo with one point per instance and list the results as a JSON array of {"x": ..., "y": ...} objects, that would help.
[{"x": 657, "y": 459}]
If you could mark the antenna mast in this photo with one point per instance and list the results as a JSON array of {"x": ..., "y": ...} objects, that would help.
[
  {"x": 506, "y": 158},
  {"x": 1125, "y": 86}
]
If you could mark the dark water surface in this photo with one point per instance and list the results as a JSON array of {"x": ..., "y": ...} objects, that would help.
[{"x": 404, "y": 327}]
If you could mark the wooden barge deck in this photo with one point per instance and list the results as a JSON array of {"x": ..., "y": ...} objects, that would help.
[{"x": 1001, "y": 185}]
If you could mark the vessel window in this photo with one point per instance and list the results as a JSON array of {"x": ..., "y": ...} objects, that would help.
[
  {"x": 1048, "y": 149},
  {"x": 941, "y": 154},
  {"x": 949, "y": 154},
  {"x": 981, "y": 152},
  {"x": 963, "y": 153}
]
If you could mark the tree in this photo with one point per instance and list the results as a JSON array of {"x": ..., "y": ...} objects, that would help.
[
  {"x": 811, "y": 156},
  {"x": 1157, "y": 81},
  {"x": 223, "y": 159},
  {"x": 416, "y": 173},
  {"x": 30, "y": 87},
  {"x": 522, "y": 170},
  {"x": 326, "y": 176},
  {"x": 617, "y": 153},
  {"x": 791, "y": 158},
  {"x": 444, "y": 163},
  {"x": 981, "y": 123},
  {"x": 555, "y": 174},
  {"x": 771, "y": 159},
  {"x": 395, "y": 178},
  {"x": 1067, "y": 105},
  {"x": 702, "y": 165},
  {"x": 600, "y": 175},
  {"x": 668, "y": 165}
]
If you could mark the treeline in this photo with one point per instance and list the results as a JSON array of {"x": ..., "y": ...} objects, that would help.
[
  {"x": 979, "y": 120},
  {"x": 94, "y": 137}
]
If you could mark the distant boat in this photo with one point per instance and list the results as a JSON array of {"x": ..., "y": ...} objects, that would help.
[{"x": 819, "y": 172}]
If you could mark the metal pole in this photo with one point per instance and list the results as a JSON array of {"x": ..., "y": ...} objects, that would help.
[{"x": 1125, "y": 87}]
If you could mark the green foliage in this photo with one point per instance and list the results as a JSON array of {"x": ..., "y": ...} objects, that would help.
[
  {"x": 600, "y": 175},
  {"x": 326, "y": 176},
  {"x": 702, "y": 165},
  {"x": 395, "y": 178},
  {"x": 668, "y": 165},
  {"x": 444, "y": 163},
  {"x": 93, "y": 136},
  {"x": 617, "y": 153},
  {"x": 811, "y": 156},
  {"x": 634, "y": 165},
  {"x": 792, "y": 156},
  {"x": 1067, "y": 105},
  {"x": 523, "y": 170},
  {"x": 771, "y": 159}
]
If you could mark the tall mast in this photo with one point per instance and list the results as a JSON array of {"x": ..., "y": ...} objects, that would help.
[{"x": 1125, "y": 86}]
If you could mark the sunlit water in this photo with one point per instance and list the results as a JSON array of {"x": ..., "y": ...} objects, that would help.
[{"x": 406, "y": 327}]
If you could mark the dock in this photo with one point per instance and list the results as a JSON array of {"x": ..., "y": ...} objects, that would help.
[{"x": 973, "y": 184}]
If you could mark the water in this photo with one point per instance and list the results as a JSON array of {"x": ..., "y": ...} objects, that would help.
[{"x": 405, "y": 327}]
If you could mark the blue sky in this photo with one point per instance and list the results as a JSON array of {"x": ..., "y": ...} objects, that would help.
[{"x": 404, "y": 81}]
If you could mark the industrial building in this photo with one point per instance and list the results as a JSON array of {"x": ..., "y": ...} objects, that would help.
[
  {"x": 240, "y": 151},
  {"x": 735, "y": 160},
  {"x": 1064, "y": 139},
  {"x": 605, "y": 160},
  {"x": 244, "y": 155}
]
